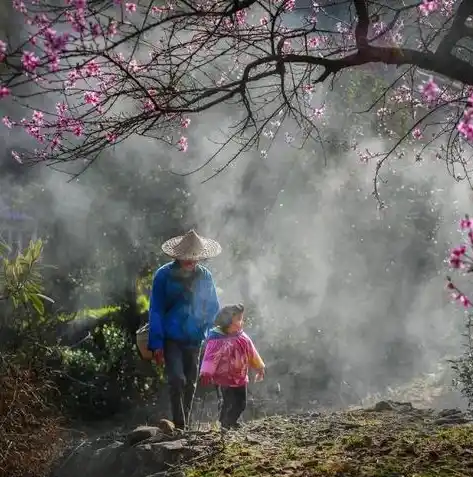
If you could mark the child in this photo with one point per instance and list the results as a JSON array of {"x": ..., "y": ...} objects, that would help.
[{"x": 229, "y": 353}]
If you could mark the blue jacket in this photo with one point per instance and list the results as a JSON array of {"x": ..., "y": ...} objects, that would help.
[{"x": 179, "y": 314}]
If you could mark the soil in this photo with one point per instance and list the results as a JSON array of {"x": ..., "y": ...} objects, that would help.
[{"x": 388, "y": 440}]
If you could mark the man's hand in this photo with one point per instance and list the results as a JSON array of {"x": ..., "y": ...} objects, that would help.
[
  {"x": 158, "y": 356},
  {"x": 205, "y": 379}
]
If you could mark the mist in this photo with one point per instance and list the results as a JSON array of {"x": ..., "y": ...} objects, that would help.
[{"x": 322, "y": 270}]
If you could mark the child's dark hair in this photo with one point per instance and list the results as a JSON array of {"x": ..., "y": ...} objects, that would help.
[{"x": 225, "y": 315}]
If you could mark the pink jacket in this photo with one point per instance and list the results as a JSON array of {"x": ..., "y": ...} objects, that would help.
[{"x": 227, "y": 358}]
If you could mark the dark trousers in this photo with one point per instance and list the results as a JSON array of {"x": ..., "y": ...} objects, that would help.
[
  {"x": 232, "y": 404},
  {"x": 181, "y": 362}
]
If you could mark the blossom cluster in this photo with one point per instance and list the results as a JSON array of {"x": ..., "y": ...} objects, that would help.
[
  {"x": 461, "y": 259},
  {"x": 79, "y": 53}
]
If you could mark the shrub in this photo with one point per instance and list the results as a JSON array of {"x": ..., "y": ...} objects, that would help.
[
  {"x": 29, "y": 426},
  {"x": 463, "y": 365},
  {"x": 105, "y": 375},
  {"x": 461, "y": 258}
]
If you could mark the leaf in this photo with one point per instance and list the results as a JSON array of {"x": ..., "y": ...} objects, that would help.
[
  {"x": 44, "y": 297},
  {"x": 38, "y": 305}
]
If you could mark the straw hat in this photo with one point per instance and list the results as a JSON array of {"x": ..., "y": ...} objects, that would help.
[{"x": 191, "y": 246}]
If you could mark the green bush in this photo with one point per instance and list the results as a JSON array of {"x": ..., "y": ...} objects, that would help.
[
  {"x": 98, "y": 377},
  {"x": 105, "y": 375},
  {"x": 463, "y": 365}
]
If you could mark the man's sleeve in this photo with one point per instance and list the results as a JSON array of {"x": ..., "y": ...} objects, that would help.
[
  {"x": 156, "y": 313},
  {"x": 212, "y": 305}
]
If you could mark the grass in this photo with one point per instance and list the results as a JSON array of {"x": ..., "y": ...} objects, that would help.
[{"x": 347, "y": 444}]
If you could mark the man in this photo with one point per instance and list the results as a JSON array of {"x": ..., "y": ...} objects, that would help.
[{"x": 183, "y": 307}]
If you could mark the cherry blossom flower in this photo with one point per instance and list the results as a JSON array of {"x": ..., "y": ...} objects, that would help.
[
  {"x": 429, "y": 6},
  {"x": 29, "y": 61},
  {"x": 430, "y": 90},
  {"x": 182, "y": 144},
  {"x": 130, "y": 7},
  {"x": 7, "y": 122},
  {"x": 90, "y": 97},
  {"x": 3, "y": 50},
  {"x": 4, "y": 92},
  {"x": 417, "y": 133}
]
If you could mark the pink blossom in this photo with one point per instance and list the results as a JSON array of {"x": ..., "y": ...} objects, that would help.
[
  {"x": 465, "y": 128},
  {"x": 308, "y": 88},
  {"x": 3, "y": 50},
  {"x": 430, "y": 90},
  {"x": 317, "y": 113},
  {"x": 90, "y": 97},
  {"x": 185, "y": 122},
  {"x": 459, "y": 251},
  {"x": 30, "y": 61},
  {"x": 80, "y": 4},
  {"x": 157, "y": 10},
  {"x": 95, "y": 30},
  {"x": 464, "y": 300},
  {"x": 312, "y": 19},
  {"x": 289, "y": 5},
  {"x": 7, "y": 122},
  {"x": 112, "y": 28},
  {"x": 19, "y": 6},
  {"x": 130, "y": 7},
  {"x": 149, "y": 105},
  {"x": 55, "y": 42},
  {"x": 466, "y": 223},
  {"x": 111, "y": 137},
  {"x": 72, "y": 76},
  {"x": 182, "y": 143},
  {"x": 429, "y": 6},
  {"x": 4, "y": 92},
  {"x": 240, "y": 16},
  {"x": 38, "y": 118},
  {"x": 263, "y": 21},
  {"x": 56, "y": 141},
  {"x": 417, "y": 133},
  {"x": 53, "y": 64},
  {"x": 313, "y": 42},
  {"x": 92, "y": 69}
]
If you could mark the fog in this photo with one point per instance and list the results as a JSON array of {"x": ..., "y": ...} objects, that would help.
[{"x": 323, "y": 271}]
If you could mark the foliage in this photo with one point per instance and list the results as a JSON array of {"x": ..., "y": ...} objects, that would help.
[
  {"x": 30, "y": 426},
  {"x": 462, "y": 259},
  {"x": 463, "y": 365},
  {"x": 105, "y": 375},
  {"x": 20, "y": 276}
]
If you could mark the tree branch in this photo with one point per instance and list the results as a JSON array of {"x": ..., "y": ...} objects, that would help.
[
  {"x": 452, "y": 67},
  {"x": 361, "y": 30},
  {"x": 458, "y": 30}
]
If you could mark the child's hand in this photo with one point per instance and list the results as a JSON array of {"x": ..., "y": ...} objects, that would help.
[
  {"x": 205, "y": 379},
  {"x": 259, "y": 376}
]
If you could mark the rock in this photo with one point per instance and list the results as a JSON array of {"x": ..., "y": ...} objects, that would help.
[
  {"x": 450, "y": 417},
  {"x": 167, "y": 427},
  {"x": 142, "y": 433},
  {"x": 449, "y": 412},
  {"x": 382, "y": 406},
  {"x": 118, "y": 459}
]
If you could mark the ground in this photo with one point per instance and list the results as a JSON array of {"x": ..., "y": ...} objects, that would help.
[{"x": 389, "y": 440}]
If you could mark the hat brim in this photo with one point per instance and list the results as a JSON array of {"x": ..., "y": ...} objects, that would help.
[{"x": 210, "y": 249}]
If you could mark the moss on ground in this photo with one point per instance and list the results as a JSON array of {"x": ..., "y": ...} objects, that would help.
[{"x": 403, "y": 442}]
